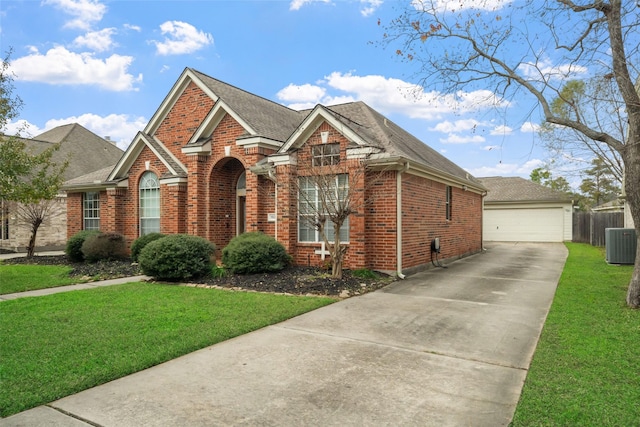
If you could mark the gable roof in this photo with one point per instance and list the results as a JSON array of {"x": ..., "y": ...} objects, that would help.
[
  {"x": 267, "y": 118},
  {"x": 515, "y": 189},
  {"x": 383, "y": 133},
  {"x": 85, "y": 151},
  {"x": 280, "y": 127}
]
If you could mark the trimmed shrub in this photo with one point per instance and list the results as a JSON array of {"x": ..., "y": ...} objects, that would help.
[
  {"x": 254, "y": 252},
  {"x": 104, "y": 246},
  {"x": 141, "y": 242},
  {"x": 74, "y": 245},
  {"x": 177, "y": 257}
]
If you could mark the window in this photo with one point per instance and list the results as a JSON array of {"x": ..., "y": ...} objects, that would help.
[
  {"x": 449, "y": 195},
  {"x": 326, "y": 154},
  {"x": 310, "y": 205},
  {"x": 149, "y": 204},
  {"x": 4, "y": 220},
  {"x": 91, "y": 211}
]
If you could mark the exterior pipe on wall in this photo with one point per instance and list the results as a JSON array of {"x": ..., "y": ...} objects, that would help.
[
  {"x": 399, "y": 220},
  {"x": 272, "y": 176}
]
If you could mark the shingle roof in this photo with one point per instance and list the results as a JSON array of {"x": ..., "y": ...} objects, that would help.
[
  {"x": 516, "y": 189},
  {"x": 85, "y": 150},
  {"x": 383, "y": 133},
  {"x": 267, "y": 118}
]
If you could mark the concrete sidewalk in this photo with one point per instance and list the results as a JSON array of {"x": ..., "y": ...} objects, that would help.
[
  {"x": 447, "y": 347},
  {"x": 68, "y": 288}
]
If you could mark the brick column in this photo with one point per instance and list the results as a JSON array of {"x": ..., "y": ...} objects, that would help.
[{"x": 196, "y": 197}]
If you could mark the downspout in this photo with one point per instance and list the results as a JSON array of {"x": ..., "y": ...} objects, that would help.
[
  {"x": 399, "y": 220},
  {"x": 272, "y": 177}
]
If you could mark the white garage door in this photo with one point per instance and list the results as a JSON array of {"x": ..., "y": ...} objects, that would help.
[{"x": 523, "y": 225}]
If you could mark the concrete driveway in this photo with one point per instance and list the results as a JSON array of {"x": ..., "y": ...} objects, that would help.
[{"x": 446, "y": 347}]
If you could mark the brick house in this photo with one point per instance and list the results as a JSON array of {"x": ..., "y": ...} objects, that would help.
[
  {"x": 85, "y": 151},
  {"x": 216, "y": 161}
]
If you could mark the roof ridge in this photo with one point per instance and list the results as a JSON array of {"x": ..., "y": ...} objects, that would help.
[{"x": 241, "y": 90}]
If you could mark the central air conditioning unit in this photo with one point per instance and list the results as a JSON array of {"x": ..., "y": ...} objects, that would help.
[{"x": 620, "y": 244}]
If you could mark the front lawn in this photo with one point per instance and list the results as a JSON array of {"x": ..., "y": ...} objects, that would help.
[
  {"x": 586, "y": 368},
  {"x": 56, "y": 345},
  {"x": 21, "y": 278}
]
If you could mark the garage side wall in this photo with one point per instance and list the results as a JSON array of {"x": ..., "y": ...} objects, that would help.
[{"x": 424, "y": 218}]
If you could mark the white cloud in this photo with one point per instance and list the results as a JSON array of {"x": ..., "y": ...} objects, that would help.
[
  {"x": 21, "y": 127},
  {"x": 458, "y": 5},
  {"x": 394, "y": 95},
  {"x": 121, "y": 128},
  {"x": 84, "y": 12},
  {"x": 501, "y": 130},
  {"x": 544, "y": 70},
  {"x": 98, "y": 41},
  {"x": 458, "y": 139},
  {"x": 306, "y": 93},
  {"x": 370, "y": 6},
  {"x": 298, "y": 4},
  {"x": 132, "y": 27},
  {"x": 62, "y": 67},
  {"x": 507, "y": 169},
  {"x": 457, "y": 126},
  {"x": 529, "y": 127},
  {"x": 181, "y": 38}
]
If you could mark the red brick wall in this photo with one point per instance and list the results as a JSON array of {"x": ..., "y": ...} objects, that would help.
[
  {"x": 424, "y": 218},
  {"x": 381, "y": 214},
  {"x": 74, "y": 213},
  {"x": 184, "y": 118}
]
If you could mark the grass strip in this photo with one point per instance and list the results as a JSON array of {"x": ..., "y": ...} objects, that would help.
[
  {"x": 56, "y": 345},
  {"x": 21, "y": 278},
  {"x": 585, "y": 371}
]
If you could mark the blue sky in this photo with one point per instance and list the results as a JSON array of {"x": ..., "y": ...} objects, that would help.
[{"x": 109, "y": 64}]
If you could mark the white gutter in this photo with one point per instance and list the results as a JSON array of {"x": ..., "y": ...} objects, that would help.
[{"x": 399, "y": 220}]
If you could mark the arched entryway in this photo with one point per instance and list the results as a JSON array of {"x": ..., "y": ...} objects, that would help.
[{"x": 227, "y": 201}]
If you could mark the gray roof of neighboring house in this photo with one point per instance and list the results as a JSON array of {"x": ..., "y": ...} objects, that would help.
[
  {"x": 86, "y": 151},
  {"x": 516, "y": 189}
]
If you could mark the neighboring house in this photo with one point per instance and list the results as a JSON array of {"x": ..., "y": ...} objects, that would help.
[
  {"x": 520, "y": 210},
  {"x": 85, "y": 152},
  {"x": 216, "y": 161},
  {"x": 612, "y": 206}
]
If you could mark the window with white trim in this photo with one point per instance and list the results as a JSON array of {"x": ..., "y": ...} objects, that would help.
[
  {"x": 326, "y": 154},
  {"x": 149, "y": 203},
  {"x": 91, "y": 211},
  {"x": 310, "y": 205}
]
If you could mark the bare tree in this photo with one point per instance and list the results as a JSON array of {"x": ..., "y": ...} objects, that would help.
[
  {"x": 328, "y": 196},
  {"x": 533, "y": 50},
  {"x": 594, "y": 100},
  {"x": 33, "y": 215}
]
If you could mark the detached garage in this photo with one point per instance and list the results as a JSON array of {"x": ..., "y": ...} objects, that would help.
[{"x": 519, "y": 210}]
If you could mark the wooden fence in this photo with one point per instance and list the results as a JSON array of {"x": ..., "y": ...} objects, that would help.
[{"x": 588, "y": 227}]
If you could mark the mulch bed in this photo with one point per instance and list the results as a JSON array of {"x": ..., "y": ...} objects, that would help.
[{"x": 293, "y": 280}]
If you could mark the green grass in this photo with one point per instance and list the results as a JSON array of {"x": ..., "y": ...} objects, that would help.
[
  {"x": 586, "y": 368},
  {"x": 53, "y": 346},
  {"x": 21, "y": 278}
]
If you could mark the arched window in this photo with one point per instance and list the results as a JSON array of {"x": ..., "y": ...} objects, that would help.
[{"x": 149, "y": 204}]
